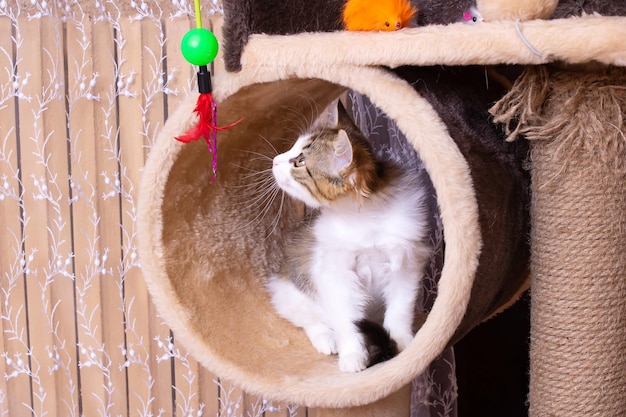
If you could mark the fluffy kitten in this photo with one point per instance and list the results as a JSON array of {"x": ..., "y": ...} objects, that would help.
[{"x": 361, "y": 257}]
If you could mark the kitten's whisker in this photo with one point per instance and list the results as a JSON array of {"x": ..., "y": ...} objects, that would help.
[
  {"x": 257, "y": 183},
  {"x": 264, "y": 196},
  {"x": 262, "y": 183},
  {"x": 269, "y": 201},
  {"x": 247, "y": 167},
  {"x": 288, "y": 142},
  {"x": 251, "y": 173},
  {"x": 259, "y": 197},
  {"x": 298, "y": 117},
  {"x": 276, "y": 220},
  {"x": 255, "y": 163},
  {"x": 264, "y": 201},
  {"x": 259, "y": 155},
  {"x": 270, "y": 145},
  {"x": 264, "y": 178}
]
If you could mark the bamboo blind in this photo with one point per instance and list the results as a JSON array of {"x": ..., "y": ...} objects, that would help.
[{"x": 84, "y": 89}]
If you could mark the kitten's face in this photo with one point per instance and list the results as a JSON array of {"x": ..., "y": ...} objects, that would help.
[{"x": 316, "y": 170}]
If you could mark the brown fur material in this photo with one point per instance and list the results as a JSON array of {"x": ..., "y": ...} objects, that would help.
[
  {"x": 462, "y": 100},
  {"x": 568, "y": 8}
]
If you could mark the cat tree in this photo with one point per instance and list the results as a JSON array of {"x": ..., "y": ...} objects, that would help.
[{"x": 205, "y": 251}]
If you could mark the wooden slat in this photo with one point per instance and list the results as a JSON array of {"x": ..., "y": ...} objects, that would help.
[
  {"x": 108, "y": 204},
  {"x": 208, "y": 392},
  {"x": 36, "y": 243},
  {"x": 85, "y": 210},
  {"x": 137, "y": 304},
  {"x": 16, "y": 389},
  {"x": 314, "y": 412},
  {"x": 152, "y": 107},
  {"x": 181, "y": 74},
  {"x": 252, "y": 405},
  {"x": 59, "y": 269},
  {"x": 215, "y": 25}
]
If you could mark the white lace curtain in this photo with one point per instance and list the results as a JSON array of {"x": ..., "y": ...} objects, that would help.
[{"x": 84, "y": 88}]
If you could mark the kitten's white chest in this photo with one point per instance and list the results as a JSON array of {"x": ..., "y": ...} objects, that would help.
[
  {"x": 396, "y": 223},
  {"x": 374, "y": 247}
]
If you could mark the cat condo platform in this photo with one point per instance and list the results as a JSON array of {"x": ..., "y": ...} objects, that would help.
[{"x": 206, "y": 250}]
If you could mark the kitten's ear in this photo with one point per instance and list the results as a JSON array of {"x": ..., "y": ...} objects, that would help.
[
  {"x": 343, "y": 151},
  {"x": 333, "y": 113},
  {"x": 329, "y": 117}
]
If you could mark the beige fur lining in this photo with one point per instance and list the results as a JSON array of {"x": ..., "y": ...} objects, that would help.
[{"x": 572, "y": 40}]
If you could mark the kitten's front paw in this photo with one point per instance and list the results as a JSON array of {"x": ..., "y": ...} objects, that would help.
[
  {"x": 322, "y": 339},
  {"x": 353, "y": 361}
]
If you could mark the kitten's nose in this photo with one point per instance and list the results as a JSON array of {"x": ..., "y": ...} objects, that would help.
[{"x": 398, "y": 25}]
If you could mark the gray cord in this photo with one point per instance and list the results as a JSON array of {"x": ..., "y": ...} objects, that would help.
[{"x": 523, "y": 38}]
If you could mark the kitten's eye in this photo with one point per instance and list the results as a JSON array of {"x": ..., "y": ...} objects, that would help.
[
  {"x": 298, "y": 161},
  {"x": 387, "y": 24}
]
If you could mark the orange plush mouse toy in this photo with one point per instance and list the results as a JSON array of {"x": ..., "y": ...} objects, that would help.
[{"x": 382, "y": 15}]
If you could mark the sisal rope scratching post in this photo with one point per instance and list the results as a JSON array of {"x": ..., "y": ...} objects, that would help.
[{"x": 574, "y": 120}]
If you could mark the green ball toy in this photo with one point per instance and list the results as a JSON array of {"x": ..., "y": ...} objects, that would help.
[{"x": 199, "y": 46}]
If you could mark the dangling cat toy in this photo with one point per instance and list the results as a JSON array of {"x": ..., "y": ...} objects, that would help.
[{"x": 199, "y": 47}]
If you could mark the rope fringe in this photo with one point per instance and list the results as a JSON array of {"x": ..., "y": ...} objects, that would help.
[{"x": 577, "y": 111}]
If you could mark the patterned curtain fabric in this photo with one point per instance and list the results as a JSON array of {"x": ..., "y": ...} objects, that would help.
[{"x": 84, "y": 88}]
